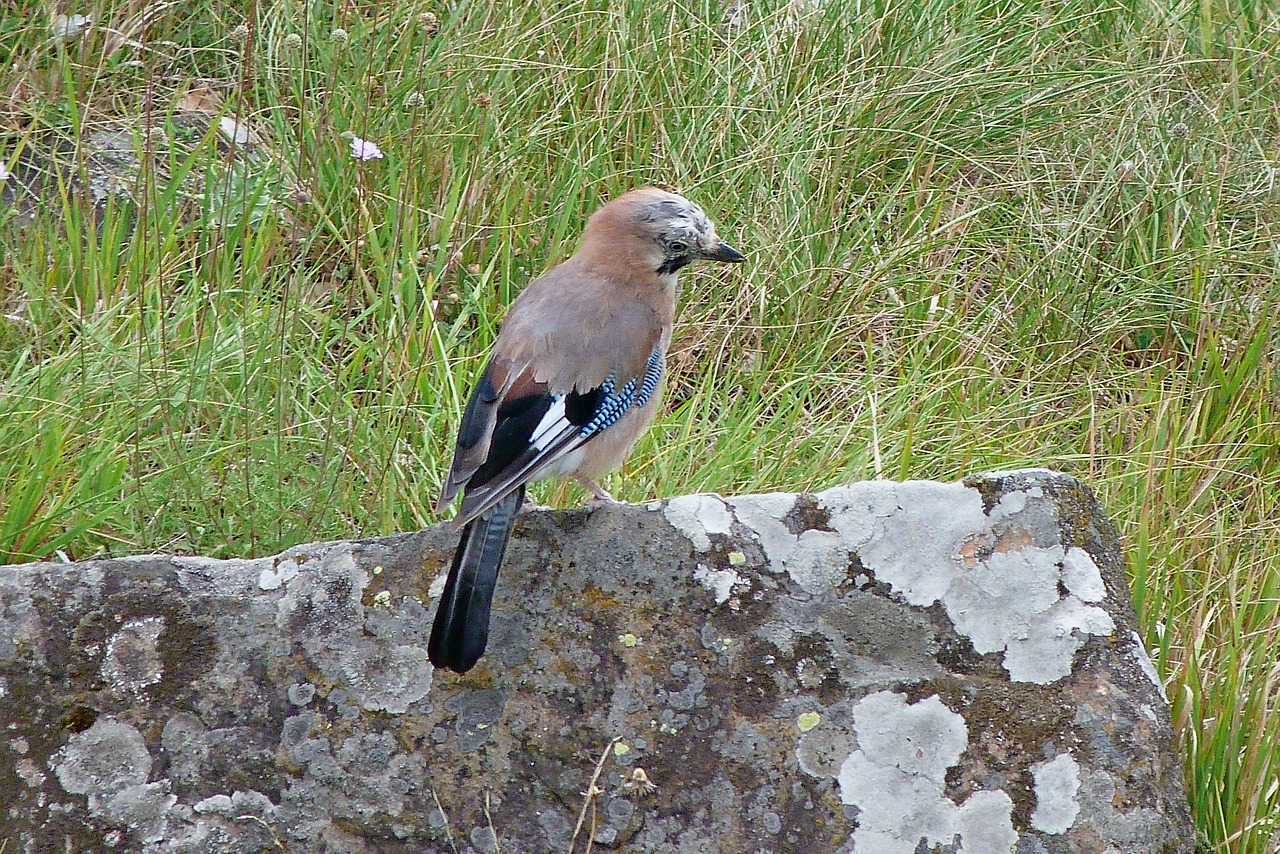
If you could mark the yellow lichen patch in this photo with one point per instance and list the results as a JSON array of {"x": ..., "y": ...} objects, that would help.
[
  {"x": 807, "y": 721},
  {"x": 628, "y": 640},
  {"x": 597, "y": 598}
]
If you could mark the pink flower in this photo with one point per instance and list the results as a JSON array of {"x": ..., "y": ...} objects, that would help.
[{"x": 364, "y": 149}]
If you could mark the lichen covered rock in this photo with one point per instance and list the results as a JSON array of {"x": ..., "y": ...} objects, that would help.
[{"x": 873, "y": 669}]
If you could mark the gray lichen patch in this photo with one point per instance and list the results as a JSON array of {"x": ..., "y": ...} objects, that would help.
[
  {"x": 827, "y": 739},
  {"x": 999, "y": 574},
  {"x": 345, "y": 774},
  {"x": 869, "y": 641},
  {"x": 1003, "y": 595},
  {"x": 109, "y": 763},
  {"x": 1057, "y": 782},
  {"x": 324, "y": 598},
  {"x": 816, "y": 559},
  {"x": 1082, "y": 577},
  {"x": 105, "y": 758},
  {"x": 897, "y": 776},
  {"x": 144, "y": 643},
  {"x": 763, "y": 516},
  {"x": 386, "y": 679},
  {"x": 1010, "y": 602},
  {"x": 477, "y": 712},
  {"x": 323, "y": 608},
  {"x": 301, "y": 693},
  {"x": 697, "y": 517},
  {"x": 721, "y": 582},
  {"x": 132, "y": 660},
  {"x": 1129, "y": 828},
  {"x": 915, "y": 548},
  {"x": 278, "y": 574}
]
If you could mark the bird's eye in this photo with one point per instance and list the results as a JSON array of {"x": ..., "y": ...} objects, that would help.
[{"x": 678, "y": 247}]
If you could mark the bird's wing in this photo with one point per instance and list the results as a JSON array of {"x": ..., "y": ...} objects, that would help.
[
  {"x": 507, "y": 440},
  {"x": 503, "y": 392}
]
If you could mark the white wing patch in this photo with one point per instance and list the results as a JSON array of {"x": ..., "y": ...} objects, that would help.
[{"x": 550, "y": 426}]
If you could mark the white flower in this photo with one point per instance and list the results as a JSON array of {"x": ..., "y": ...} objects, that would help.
[
  {"x": 4, "y": 173},
  {"x": 364, "y": 149},
  {"x": 414, "y": 100}
]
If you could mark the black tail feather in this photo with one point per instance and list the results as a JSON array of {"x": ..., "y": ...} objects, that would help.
[{"x": 461, "y": 627}]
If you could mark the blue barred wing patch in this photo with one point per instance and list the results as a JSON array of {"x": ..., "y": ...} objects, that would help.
[
  {"x": 567, "y": 422},
  {"x": 616, "y": 402}
]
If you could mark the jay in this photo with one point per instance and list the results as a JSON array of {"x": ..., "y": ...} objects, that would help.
[{"x": 572, "y": 382}]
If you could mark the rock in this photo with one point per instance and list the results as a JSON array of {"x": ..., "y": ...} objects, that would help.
[
  {"x": 114, "y": 165},
  {"x": 880, "y": 668}
]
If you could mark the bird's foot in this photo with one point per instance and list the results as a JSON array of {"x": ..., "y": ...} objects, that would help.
[{"x": 600, "y": 496}]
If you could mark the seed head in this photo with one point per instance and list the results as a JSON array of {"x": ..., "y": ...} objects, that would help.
[
  {"x": 293, "y": 41},
  {"x": 639, "y": 784}
]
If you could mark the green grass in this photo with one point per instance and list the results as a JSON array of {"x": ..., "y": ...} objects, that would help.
[{"x": 981, "y": 235}]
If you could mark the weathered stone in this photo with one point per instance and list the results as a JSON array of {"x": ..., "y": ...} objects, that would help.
[
  {"x": 882, "y": 668},
  {"x": 114, "y": 165}
]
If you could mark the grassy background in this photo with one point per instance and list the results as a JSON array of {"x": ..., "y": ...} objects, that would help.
[{"x": 981, "y": 235}]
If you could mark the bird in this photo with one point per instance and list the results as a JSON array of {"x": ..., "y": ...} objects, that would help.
[{"x": 572, "y": 381}]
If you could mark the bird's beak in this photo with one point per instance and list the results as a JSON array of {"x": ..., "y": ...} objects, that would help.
[{"x": 725, "y": 252}]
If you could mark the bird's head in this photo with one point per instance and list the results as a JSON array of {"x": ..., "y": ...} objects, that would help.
[{"x": 659, "y": 230}]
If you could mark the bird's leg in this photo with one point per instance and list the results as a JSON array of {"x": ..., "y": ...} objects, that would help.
[{"x": 601, "y": 496}]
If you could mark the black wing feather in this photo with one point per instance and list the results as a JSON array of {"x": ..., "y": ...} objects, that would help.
[{"x": 517, "y": 419}]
